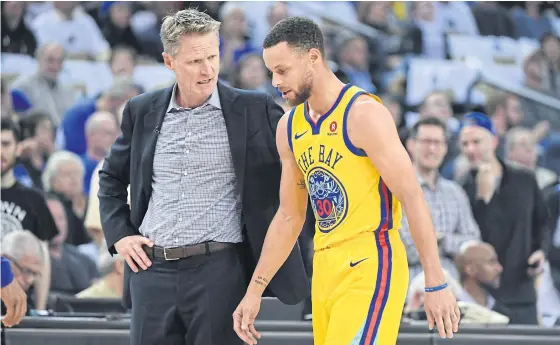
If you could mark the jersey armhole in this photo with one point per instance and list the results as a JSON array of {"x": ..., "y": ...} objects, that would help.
[
  {"x": 290, "y": 120},
  {"x": 347, "y": 142}
]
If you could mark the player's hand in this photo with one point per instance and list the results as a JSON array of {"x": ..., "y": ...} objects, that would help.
[
  {"x": 244, "y": 318},
  {"x": 442, "y": 311},
  {"x": 130, "y": 248},
  {"x": 15, "y": 300}
]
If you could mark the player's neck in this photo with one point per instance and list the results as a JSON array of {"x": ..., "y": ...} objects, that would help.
[
  {"x": 8, "y": 179},
  {"x": 326, "y": 89}
]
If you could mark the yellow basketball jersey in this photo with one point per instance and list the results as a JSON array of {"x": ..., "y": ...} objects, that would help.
[{"x": 347, "y": 193}]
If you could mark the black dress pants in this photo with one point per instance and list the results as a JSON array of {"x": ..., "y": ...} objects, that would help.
[{"x": 189, "y": 301}]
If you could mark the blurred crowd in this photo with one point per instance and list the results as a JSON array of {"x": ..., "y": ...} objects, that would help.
[{"x": 503, "y": 256}]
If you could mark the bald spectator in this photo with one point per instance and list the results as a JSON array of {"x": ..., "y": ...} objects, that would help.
[
  {"x": 69, "y": 25},
  {"x": 25, "y": 252},
  {"x": 111, "y": 268},
  {"x": 101, "y": 132},
  {"x": 478, "y": 266},
  {"x": 43, "y": 88},
  {"x": 521, "y": 150}
]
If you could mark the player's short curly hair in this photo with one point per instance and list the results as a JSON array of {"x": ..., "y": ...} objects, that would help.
[{"x": 298, "y": 32}]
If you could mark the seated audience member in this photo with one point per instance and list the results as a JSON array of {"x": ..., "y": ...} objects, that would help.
[
  {"x": 36, "y": 146},
  {"x": 71, "y": 271},
  {"x": 44, "y": 89},
  {"x": 64, "y": 177},
  {"x": 24, "y": 208},
  {"x": 26, "y": 254},
  {"x": 509, "y": 208},
  {"x": 521, "y": 151},
  {"x": 110, "y": 285},
  {"x": 101, "y": 132},
  {"x": 69, "y": 25},
  {"x": 449, "y": 206},
  {"x": 479, "y": 267}
]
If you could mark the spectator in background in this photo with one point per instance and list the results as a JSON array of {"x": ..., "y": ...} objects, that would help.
[
  {"x": 111, "y": 269},
  {"x": 146, "y": 26},
  {"x": 43, "y": 88},
  {"x": 69, "y": 25},
  {"x": 251, "y": 74},
  {"x": 437, "y": 104},
  {"x": 428, "y": 36},
  {"x": 533, "y": 77},
  {"x": 353, "y": 59},
  {"x": 394, "y": 106},
  {"x": 478, "y": 266},
  {"x": 529, "y": 19},
  {"x": 7, "y": 109},
  {"x": 115, "y": 18},
  {"x": 235, "y": 40},
  {"x": 74, "y": 122},
  {"x": 27, "y": 255},
  {"x": 521, "y": 150},
  {"x": 36, "y": 147},
  {"x": 24, "y": 208},
  {"x": 448, "y": 203},
  {"x": 550, "y": 64},
  {"x": 456, "y": 17},
  {"x": 101, "y": 132},
  {"x": 511, "y": 213},
  {"x": 16, "y": 36},
  {"x": 71, "y": 270},
  {"x": 504, "y": 111},
  {"x": 493, "y": 20},
  {"x": 549, "y": 287},
  {"x": 123, "y": 61},
  {"x": 64, "y": 177}
]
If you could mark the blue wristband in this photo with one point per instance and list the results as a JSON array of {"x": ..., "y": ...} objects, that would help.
[{"x": 436, "y": 288}]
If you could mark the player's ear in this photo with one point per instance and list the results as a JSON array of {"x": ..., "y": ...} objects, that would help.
[{"x": 314, "y": 55}]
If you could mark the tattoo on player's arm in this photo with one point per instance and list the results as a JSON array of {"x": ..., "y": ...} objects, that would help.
[
  {"x": 301, "y": 184},
  {"x": 261, "y": 281}
]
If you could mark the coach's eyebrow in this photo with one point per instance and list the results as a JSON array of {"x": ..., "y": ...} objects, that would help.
[{"x": 279, "y": 66}]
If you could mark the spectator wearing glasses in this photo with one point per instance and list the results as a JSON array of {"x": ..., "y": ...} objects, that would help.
[
  {"x": 26, "y": 254},
  {"x": 448, "y": 203}
]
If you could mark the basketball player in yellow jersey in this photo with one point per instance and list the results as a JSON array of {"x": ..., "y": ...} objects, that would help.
[{"x": 340, "y": 146}]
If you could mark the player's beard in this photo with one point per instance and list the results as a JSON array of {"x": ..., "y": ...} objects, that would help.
[{"x": 305, "y": 92}]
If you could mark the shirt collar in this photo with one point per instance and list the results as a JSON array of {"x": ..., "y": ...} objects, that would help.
[{"x": 213, "y": 100}]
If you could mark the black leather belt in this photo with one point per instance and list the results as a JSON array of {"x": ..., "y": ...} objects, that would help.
[{"x": 176, "y": 253}]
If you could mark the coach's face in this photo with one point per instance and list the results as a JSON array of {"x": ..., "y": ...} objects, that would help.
[
  {"x": 196, "y": 64},
  {"x": 292, "y": 71}
]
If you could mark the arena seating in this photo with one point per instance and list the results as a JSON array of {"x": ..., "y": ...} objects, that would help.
[{"x": 278, "y": 323}]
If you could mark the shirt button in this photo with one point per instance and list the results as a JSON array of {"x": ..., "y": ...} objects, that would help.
[
  {"x": 185, "y": 173},
  {"x": 189, "y": 134},
  {"x": 182, "y": 195},
  {"x": 187, "y": 151},
  {"x": 180, "y": 219}
]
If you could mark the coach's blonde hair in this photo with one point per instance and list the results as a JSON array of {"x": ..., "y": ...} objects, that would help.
[{"x": 185, "y": 22}]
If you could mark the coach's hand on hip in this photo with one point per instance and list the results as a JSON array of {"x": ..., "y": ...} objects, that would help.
[
  {"x": 442, "y": 311},
  {"x": 130, "y": 248}
]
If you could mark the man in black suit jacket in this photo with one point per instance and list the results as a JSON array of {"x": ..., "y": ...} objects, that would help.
[{"x": 204, "y": 175}]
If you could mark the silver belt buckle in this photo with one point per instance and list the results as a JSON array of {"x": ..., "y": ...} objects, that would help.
[{"x": 165, "y": 255}]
